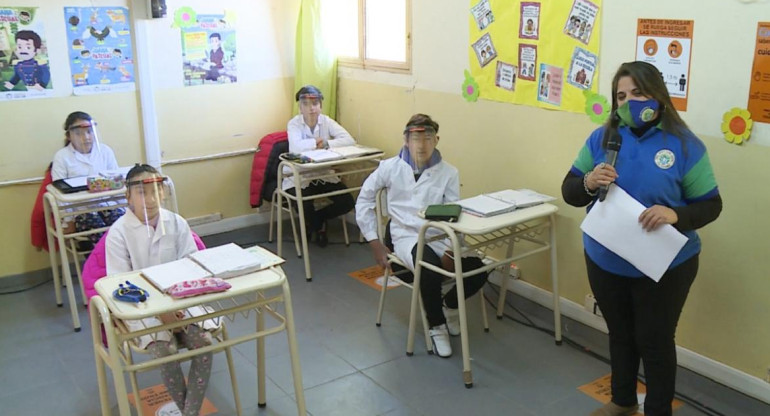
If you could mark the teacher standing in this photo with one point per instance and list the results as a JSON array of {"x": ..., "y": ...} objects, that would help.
[{"x": 665, "y": 167}]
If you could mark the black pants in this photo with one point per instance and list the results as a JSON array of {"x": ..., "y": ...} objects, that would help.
[
  {"x": 341, "y": 204},
  {"x": 430, "y": 284},
  {"x": 642, "y": 316}
]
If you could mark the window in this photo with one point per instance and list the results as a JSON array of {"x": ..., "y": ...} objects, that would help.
[{"x": 370, "y": 34}]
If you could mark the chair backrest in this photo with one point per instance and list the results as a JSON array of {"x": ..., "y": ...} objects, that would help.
[{"x": 264, "y": 165}]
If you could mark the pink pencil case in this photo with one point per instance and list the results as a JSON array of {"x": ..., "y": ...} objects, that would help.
[{"x": 198, "y": 287}]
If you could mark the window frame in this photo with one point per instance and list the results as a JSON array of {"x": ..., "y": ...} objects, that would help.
[{"x": 377, "y": 64}]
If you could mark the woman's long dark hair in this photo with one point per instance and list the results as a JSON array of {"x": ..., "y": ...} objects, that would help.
[{"x": 649, "y": 80}]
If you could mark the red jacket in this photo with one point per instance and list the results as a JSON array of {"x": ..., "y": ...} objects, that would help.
[
  {"x": 37, "y": 222},
  {"x": 264, "y": 168}
]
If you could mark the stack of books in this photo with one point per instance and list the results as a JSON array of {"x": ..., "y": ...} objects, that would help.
[
  {"x": 229, "y": 260},
  {"x": 500, "y": 202}
]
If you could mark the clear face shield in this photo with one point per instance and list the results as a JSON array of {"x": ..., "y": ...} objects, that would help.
[
  {"x": 421, "y": 140},
  {"x": 149, "y": 195},
  {"x": 84, "y": 136}
]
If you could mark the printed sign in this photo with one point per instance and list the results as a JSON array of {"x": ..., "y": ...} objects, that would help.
[
  {"x": 24, "y": 68},
  {"x": 550, "y": 84},
  {"x": 527, "y": 61},
  {"x": 581, "y": 21},
  {"x": 529, "y": 25},
  {"x": 582, "y": 69},
  {"x": 505, "y": 77},
  {"x": 667, "y": 44},
  {"x": 759, "y": 89},
  {"x": 485, "y": 50},
  {"x": 482, "y": 13}
]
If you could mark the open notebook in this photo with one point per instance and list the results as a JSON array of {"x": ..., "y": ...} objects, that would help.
[
  {"x": 337, "y": 153},
  {"x": 500, "y": 202},
  {"x": 224, "y": 262}
]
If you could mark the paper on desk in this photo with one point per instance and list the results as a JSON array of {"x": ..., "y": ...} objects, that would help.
[
  {"x": 77, "y": 182},
  {"x": 614, "y": 223}
]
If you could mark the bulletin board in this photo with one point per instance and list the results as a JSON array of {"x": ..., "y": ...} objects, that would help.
[{"x": 538, "y": 53}]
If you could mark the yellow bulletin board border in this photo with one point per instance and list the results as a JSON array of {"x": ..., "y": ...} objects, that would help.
[{"x": 538, "y": 53}]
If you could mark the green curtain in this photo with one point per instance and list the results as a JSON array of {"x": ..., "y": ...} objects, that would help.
[{"x": 314, "y": 63}]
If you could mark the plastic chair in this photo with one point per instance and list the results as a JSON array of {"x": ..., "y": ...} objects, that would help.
[{"x": 381, "y": 211}]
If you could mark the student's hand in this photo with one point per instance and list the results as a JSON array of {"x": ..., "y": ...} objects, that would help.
[
  {"x": 8, "y": 85},
  {"x": 68, "y": 227},
  {"x": 603, "y": 174},
  {"x": 657, "y": 215},
  {"x": 320, "y": 144},
  {"x": 380, "y": 253},
  {"x": 171, "y": 317},
  {"x": 448, "y": 261},
  {"x": 38, "y": 87}
]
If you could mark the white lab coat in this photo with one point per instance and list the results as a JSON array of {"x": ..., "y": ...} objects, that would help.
[
  {"x": 302, "y": 139},
  {"x": 130, "y": 246},
  {"x": 438, "y": 184},
  {"x": 69, "y": 163}
]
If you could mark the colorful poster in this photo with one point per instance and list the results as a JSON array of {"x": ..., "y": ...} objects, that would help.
[
  {"x": 550, "y": 84},
  {"x": 667, "y": 44},
  {"x": 759, "y": 89},
  {"x": 581, "y": 21},
  {"x": 24, "y": 69},
  {"x": 527, "y": 33},
  {"x": 483, "y": 14},
  {"x": 582, "y": 69},
  {"x": 485, "y": 50},
  {"x": 529, "y": 24},
  {"x": 527, "y": 61},
  {"x": 208, "y": 51},
  {"x": 506, "y": 76},
  {"x": 99, "y": 49}
]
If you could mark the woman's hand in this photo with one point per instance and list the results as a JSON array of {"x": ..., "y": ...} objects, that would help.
[
  {"x": 380, "y": 253},
  {"x": 603, "y": 174},
  {"x": 657, "y": 215},
  {"x": 171, "y": 317}
]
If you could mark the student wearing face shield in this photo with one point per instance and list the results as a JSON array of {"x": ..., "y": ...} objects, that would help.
[
  {"x": 414, "y": 179},
  {"x": 313, "y": 130},
  {"x": 84, "y": 155}
]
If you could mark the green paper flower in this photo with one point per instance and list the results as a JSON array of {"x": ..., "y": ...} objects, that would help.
[
  {"x": 185, "y": 17},
  {"x": 470, "y": 88},
  {"x": 597, "y": 107}
]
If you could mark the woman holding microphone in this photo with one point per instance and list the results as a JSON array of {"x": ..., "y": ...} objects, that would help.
[{"x": 665, "y": 167}]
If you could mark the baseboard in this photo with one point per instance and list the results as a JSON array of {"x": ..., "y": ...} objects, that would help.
[
  {"x": 234, "y": 223},
  {"x": 706, "y": 367}
]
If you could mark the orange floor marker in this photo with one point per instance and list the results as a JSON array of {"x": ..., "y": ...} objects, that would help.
[
  {"x": 600, "y": 390},
  {"x": 157, "y": 401},
  {"x": 372, "y": 277}
]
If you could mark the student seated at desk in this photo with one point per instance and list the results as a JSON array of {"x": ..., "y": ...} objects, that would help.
[
  {"x": 312, "y": 130},
  {"x": 84, "y": 155},
  {"x": 149, "y": 235},
  {"x": 416, "y": 178}
]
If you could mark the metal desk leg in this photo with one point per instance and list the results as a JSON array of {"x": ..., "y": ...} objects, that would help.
[
  {"x": 296, "y": 372},
  {"x": 555, "y": 282},
  {"x": 98, "y": 306},
  {"x": 261, "y": 398},
  {"x": 302, "y": 232},
  {"x": 460, "y": 287},
  {"x": 65, "y": 265},
  {"x": 415, "y": 295},
  {"x": 504, "y": 282},
  {"x": 49, "y": 229}
]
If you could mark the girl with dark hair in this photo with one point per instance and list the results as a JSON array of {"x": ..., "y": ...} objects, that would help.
[
  {"x": 146, "y": 236},
  {"x": 313, "y": 130},
  {"x": 665, "y": 167},
  {"x": 84, "y": 155}
]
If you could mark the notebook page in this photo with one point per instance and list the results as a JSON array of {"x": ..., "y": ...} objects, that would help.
[
  {"x": 165, "y": 275},
  {"x": 353, "y": 151},
  {"x": 228, "y": 260},
  {"x": 521, "y": 198},
  {"x": 321, "y": 155},
  {"x": 485, "y": 206}
]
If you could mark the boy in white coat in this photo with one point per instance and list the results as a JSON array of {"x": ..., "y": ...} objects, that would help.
[{"x": 416, "y": 178}]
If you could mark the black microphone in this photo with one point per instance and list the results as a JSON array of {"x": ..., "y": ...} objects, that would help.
[{"x": 613, "y": 147}]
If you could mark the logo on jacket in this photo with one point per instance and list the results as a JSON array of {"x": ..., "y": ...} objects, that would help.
[{"x": 664, "y": 159}]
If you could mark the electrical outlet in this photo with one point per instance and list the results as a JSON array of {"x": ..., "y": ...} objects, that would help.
[
  {"x": 591, "y": 306},
  {"x": 514, "y": 272}
]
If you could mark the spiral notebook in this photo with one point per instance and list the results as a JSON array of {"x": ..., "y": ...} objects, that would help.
[{"x": 500, "y": 202}]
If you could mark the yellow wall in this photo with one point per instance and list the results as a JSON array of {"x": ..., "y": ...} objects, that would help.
[{"x": 497, "y": 145}]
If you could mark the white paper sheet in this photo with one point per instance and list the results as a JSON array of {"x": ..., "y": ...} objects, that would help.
[{"x": 615, "y": 224}]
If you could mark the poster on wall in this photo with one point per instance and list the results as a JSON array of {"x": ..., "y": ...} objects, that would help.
[
  {"x": 759, "y": 88},
  {"x": 565, "y": 35},
  {"x": 667, "y": 44},
  {"x": 483, "y": 14},
  {"x": 24, "y": 69},
  {"x": 208, "y": 51},
  {"x": 99, "y": 49},
  {"x": 582, "y": 68}
]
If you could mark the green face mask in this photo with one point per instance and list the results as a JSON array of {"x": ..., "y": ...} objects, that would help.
[{"x": 637, "y": 113}]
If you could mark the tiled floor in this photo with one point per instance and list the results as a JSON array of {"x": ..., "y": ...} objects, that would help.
[{"x": 349, "y": 366}]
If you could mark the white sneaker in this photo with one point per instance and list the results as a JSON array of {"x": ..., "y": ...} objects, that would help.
[
  {"x": 452, "y": 320},
  {"x": 440, "y": 339}
]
